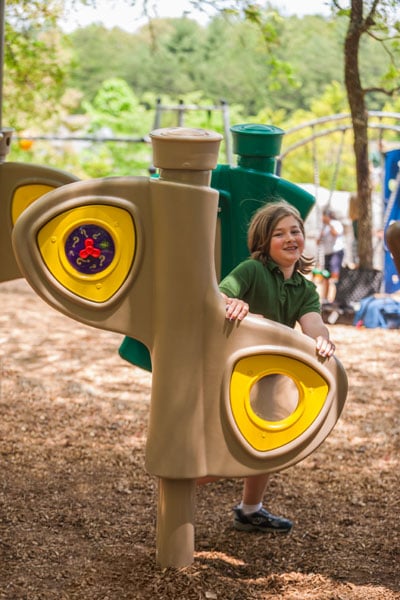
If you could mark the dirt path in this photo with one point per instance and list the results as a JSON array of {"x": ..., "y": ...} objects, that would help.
[{"x": 78, "y": 510}]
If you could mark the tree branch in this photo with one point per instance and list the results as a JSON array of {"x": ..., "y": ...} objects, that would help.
[
  {"x": 372, "y": 11},
  {"x": 383, "y": 41},
  {"x": 381, "y": 90},
  {"x": 369, "y": 20}
]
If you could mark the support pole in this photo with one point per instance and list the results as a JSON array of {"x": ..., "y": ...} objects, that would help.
[{"x": 175, "y": 522}]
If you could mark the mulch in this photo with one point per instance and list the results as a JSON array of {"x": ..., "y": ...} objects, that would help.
[{"x": 78, "y": 509}]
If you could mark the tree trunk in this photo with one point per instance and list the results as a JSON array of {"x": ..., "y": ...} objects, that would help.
[{"x": 359, "y": 116}]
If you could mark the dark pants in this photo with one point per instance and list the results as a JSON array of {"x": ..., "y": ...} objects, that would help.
[{"x": 333, "y": 262}]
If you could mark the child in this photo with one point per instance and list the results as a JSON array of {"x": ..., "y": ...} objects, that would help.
[
  {"x": 332, "y": 242},
  {"x": 270, "y": 283}
]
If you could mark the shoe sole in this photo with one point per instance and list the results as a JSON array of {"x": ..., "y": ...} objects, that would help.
[{"x": 248, "y": 527}]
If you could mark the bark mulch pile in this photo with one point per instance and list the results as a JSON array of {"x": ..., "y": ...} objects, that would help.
[{"x": 78, "y": 510}]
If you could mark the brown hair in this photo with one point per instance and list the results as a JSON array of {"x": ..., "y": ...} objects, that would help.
[{"x": 262, "y": 225}]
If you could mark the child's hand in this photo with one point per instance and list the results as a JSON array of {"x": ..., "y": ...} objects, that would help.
[
  {"x": 325, "y": 347},
  {"x": 236, "y": 309}
]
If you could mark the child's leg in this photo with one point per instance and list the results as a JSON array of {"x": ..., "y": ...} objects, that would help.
[
  {"x": 250, "y": 514},
  {"x": 326, "y": 280},
  {"x": 254, "y": 488},
  {"x": 325, "y": 289}
]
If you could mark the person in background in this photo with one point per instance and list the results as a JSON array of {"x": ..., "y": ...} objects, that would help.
[
  {"x": 332, "y": 242},
  {"x": 271, "y": 284},
  {"x": 354, "y": 215}
]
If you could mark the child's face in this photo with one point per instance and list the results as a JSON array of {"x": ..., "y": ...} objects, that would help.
[
  {"x": 287, "y": 242},
  {"x": 326, "y": 219}
]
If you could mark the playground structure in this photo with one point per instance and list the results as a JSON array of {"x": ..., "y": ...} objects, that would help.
[
  {"x": 305, "y": 136},
  {"x": 54, "y": 233},
  {"x": 113, "y": 253},
  {"x": 21, "y": 184},
  {"x": 391, "y": 217},
  {"x": 242, "y": 188},
  {"x": 393, "y": 243},
  {"x": 384, "y": 169},
  {"x": 227, "y": 399},
  {"x": 392, "y": 239}
]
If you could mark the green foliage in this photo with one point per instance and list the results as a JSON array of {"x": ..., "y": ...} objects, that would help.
[
  {"x": 55, "y": 154},
  {"x": 326, "y": 161},
  {"x": 332, "y": 101},
  {"x": 116, "y": 108},
  {"x": 248, "y": 58},
  {"x": 116, "y": 159},
  {"x": 35, "y": 62},
  {"x": 269, "y": 69},
  {"x": 116, "y": 112},
  {"x": 228, "y": 59},
  {"x": 99, "y": 54}
]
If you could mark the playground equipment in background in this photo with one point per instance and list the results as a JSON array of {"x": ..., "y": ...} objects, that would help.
[
  {"x": 137, "y": 256},
  {"x": 393, "y": 242},
  {"x": 391, "y": 193},
  {"x": 383, "y": 310},
  {"x": 387, "y": 161},
  {"x": 242, "y": 189}
]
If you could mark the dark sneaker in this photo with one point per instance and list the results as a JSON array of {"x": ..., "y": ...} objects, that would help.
[{"x": 261, "y": 520}]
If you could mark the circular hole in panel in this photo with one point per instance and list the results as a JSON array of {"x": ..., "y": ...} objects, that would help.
[{"x": 274, "y": 397}]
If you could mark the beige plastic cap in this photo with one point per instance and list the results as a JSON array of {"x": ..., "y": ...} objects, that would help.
[{"x": 183, "y": 148}]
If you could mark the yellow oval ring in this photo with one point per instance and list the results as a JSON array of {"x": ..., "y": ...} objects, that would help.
[{"x": 263, "y": 435}]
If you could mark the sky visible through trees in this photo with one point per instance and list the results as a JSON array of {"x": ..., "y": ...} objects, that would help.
[{"x": 121, "y": 14}]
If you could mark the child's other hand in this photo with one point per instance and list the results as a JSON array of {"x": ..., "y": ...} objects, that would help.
[
  {"x": 325, "y": 347},
  {"x": 236, "y": 309}
]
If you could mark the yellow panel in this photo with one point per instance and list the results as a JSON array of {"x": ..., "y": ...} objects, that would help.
[
  {"x": 82, "y": 248},
  {"x": 265, "y": 435},
  {"x": 25, "y": 195}
]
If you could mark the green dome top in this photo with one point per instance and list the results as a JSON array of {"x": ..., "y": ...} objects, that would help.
[{"x": 255, "y": 139}]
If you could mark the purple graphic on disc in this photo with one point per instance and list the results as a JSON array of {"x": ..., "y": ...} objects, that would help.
[{"x": 89, "y": 249}]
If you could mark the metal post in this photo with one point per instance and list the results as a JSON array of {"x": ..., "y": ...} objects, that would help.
[
  {"x": 181, "y": 113},
  {"x": 227, "y": 136},
  {"x": 157, "y": 118}
]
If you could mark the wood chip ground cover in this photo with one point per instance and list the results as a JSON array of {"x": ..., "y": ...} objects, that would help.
[{"x": 78, "y": 510}]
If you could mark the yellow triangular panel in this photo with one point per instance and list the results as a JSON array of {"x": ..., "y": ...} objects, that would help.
[{"x": 89, "y": 249}]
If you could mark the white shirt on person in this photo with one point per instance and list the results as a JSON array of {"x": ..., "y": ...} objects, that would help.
[{"x": 332, "y": 243}]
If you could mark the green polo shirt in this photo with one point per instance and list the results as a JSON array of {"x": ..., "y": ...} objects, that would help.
[{"x": 269, "y": 294}]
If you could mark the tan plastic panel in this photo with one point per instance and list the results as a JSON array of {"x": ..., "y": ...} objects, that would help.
[
  {"x": 21, "y": 185},
  {"x": 170, "y": 301}
]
